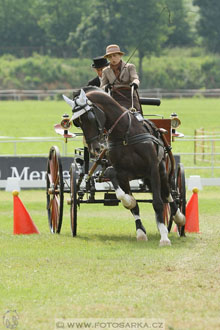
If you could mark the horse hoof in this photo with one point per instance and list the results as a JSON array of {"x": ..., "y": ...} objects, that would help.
[
  {"x": 165, "y": 242},
  {"x": 179, "y": 218},
  {"x": 141, "y": 236}
]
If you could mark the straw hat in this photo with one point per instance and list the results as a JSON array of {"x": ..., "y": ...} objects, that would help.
[{"x": 113, "y": 49}]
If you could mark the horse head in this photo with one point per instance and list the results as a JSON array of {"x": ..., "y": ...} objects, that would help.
[{"x": 89, "y": 118}]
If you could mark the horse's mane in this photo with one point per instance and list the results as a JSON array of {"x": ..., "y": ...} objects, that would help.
[
  {"x": 87, "y": 89},
  {"x": 98, "y": 95}
]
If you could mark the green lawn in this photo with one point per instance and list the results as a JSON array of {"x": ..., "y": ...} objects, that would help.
[
  {"x": 104, "y": 272},
  {"x": 37, "y": 118}
]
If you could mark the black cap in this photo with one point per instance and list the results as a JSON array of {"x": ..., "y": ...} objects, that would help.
[{"x": 99, "y": 62}]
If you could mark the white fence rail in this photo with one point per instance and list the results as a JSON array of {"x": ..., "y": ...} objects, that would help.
[
  {"x": 209, "y": 162},
  {"x": 15, "y": 143},
  {"x": 209, "y": 171},
  {"x": 17, "y": 95}
]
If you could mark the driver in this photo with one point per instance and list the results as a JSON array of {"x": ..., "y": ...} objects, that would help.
[{"x": 119, "y": 77}]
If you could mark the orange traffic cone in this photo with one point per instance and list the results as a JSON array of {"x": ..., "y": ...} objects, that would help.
[
  {"x": 192, "y": 213},
  {"x": 175, "y": 229},
  {"x": 23, "y": 223}
]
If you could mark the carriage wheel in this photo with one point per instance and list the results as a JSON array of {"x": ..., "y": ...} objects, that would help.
[
  {"x": 54, "y": 190},
  {"x": 73, "y": 200},
  {"x": 168, "y": 221},
  {"x": 181, "y": 190},
  {"x": 167, "y": 215}
]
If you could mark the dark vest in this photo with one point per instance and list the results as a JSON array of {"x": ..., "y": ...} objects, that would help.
[{"x": 94, "y": 82}]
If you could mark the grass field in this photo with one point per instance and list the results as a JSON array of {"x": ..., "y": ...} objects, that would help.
[
  {"x": 104, "y": 272},
  {"x": 37, "y": 118}
]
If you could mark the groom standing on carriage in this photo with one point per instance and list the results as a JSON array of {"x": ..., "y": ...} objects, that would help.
[
  {"x": 99, "y": 63},
  {"x": 121, "y": 79}
]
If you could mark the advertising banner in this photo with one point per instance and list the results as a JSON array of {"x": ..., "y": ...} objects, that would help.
[{"x": 30, "y": 171}]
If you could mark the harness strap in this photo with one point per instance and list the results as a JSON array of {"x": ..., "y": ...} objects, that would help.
[
  {"x": 140, "y": 138},
  {"x": 116, "y": 122},
  {"x": 116, "y": 90},
  {"x": 92, "y": 139},
  {"x": 101, "y": 129},
  {"x": 128, "y": 130}
]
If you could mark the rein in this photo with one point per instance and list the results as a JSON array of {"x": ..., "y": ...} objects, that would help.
[
  {"x": 116, "y": 90},
  {"x": 116, "y": 122}
]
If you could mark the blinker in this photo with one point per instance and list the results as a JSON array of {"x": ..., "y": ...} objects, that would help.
[{"x": 91, "y": 116}]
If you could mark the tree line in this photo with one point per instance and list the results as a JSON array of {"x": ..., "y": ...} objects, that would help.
[
  {"x": 86, "y": 27},
  {"x": 83, "y": 28},
  {"x": 167, "y": 72}
]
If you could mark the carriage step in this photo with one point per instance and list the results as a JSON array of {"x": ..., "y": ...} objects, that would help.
[{"x": 110, "y": 199}]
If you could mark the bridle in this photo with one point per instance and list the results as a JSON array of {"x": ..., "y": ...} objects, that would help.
[
  {"x": 93, "y": 118},
  {"x": 91, "y": 109},
  {"x": 81, "y": 105}
]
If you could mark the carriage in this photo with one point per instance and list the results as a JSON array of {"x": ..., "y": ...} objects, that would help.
[{"x": 87, "y": 179}]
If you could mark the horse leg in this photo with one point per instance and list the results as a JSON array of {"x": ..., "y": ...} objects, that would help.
[
  {"x": 123, "y": 193},
  {"x": 127, "y": 200},
  {"x": 177, "y": 215},
  {"x": 140, "y": 230},
  {"x": 158, "y": 206}
]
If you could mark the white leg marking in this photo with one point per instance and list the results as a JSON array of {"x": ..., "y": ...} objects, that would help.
[
  {"x": 141, "y": 236},
  {"x": 119, "y": 193},
  {"x": 127, "y": 200},
  {"x": 164, "y": 240},
  {"x": 170, "y": 198},
  {"x": 179, "y": 218},
  {"x": 136, "y": 217}
]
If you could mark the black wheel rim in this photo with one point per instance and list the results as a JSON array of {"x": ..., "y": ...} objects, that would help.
[
  {"x": 167, "y": 210},
  {"x": 181, "y": 191},
  {"x": 73, "y": 200}
]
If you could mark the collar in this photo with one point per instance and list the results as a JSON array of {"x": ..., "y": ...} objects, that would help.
[{"x": 117, "y": 66}]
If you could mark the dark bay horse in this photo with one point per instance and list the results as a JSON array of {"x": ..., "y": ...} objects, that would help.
[{"x": 134, "y": 153}]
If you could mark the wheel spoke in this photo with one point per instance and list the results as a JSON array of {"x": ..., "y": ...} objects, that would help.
[
  {"x": 50, "y": 178},
  {"x": 54, "y": 190},
  {"x": 166, "y": 213},
  {"x": 181, "y": 191},
  {"x": 57, "y": 200},
  {"x": 53, "y": 167},
  {"x": 54, "y": 214}
]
